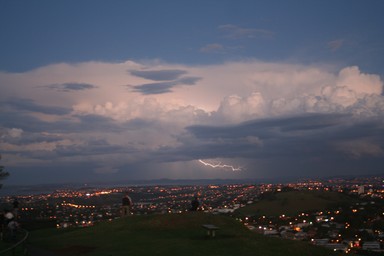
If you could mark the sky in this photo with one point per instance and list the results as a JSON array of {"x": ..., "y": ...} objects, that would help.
[{"x": 97, "y": 91}]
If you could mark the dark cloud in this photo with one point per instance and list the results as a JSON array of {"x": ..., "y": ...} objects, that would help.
[
  {"x": 21, "y": 119},
  {"x": 97, "y": 123},
  {"x": 309, "y": 145},
  {"x": 31, "y": 137},
  {"x": 309, "y": 122},
  {"x": 313, "y": 143},
  {"x": 29, "y": 105},
  {"x": 138, "y": 123},
  {"x": 96, "y": 147},
  {"x": 188, "y": 80},
  {"x": 159, "y": 75},
  {"x": 154, "y": 88},
  {"x": 78, "y": 124},
  {"x": 65, "y": 172},
  {"x": 265, "y": 128},
  {"x": 67, "y": 87},
  {"x": 168, "y": 79},
  {"x": 164, "y": 87},
  {"x": 53, "y": 141}
]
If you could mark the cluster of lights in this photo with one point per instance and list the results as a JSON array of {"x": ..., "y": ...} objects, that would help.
[
  {"x": 78, "y": 205},
  {"x": 180, "y": 201},
  {"x": 27, "y": 209},
  {"x": 347, "y": 225}
]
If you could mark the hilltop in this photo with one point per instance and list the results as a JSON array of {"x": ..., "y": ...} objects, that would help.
[{"x": 168, "y": 234}]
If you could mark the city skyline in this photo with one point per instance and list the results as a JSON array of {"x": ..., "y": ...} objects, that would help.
[{"x": 95, "y": 91}]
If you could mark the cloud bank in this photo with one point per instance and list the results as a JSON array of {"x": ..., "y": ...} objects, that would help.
[{"x": 154, "y": 119}]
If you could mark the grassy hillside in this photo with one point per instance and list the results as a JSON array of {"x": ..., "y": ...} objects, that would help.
[
  {"x": 294, "y": 202},
  {"x": 170, "y": 234}
]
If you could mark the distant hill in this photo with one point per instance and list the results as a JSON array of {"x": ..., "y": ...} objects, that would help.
[
  {"x": 293, "y": 202},
  {"x": 169, "y": 234}
]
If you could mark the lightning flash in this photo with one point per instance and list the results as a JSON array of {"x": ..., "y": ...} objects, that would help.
[{"x": 219, "y": 165}]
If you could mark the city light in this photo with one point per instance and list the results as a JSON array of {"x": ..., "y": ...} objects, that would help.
[{"x": 85, "y": 207}]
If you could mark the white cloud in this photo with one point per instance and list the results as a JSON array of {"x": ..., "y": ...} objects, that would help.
[
  {"x": 237, "y": 109},
  {"x": 360, "y": 83},
  {"x": 237, "y": 91}
]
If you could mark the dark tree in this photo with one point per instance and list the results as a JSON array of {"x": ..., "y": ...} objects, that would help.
[{"x": 3, "y": 173}]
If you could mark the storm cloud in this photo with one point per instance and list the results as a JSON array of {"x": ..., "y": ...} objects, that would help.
[{"x": 270, "y": 119}]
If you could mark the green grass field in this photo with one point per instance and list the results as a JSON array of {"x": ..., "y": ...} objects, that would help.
[
  {"x": 7, "y": 243},
  {"x": 294, "y": 202},
  {"x": 169, "y": 234}
]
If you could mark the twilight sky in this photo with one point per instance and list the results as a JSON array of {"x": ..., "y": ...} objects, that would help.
[{"x": 125, "y": 90}]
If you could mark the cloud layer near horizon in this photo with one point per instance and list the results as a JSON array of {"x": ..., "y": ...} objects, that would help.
[{"x": 274, "y": 119}]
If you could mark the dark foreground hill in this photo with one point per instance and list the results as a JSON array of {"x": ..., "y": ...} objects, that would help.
[{"x": 170, "y": 234}]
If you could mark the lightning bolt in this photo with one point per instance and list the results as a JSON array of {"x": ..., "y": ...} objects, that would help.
[{"x": 219, "y": 165}]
